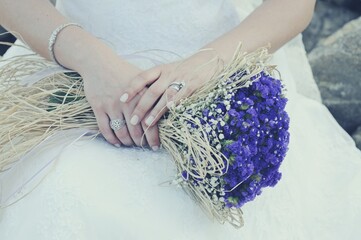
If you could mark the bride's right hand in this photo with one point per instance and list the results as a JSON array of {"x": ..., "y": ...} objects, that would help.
[
  {"x": 105, "y": 75},
  {"x": 103, "y": 80}
]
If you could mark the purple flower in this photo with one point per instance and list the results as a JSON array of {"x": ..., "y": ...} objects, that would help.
[{"x": 255, "y": 141}]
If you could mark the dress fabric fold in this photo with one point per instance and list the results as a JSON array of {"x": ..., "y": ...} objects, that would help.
[{"x": 92, "y": 190}]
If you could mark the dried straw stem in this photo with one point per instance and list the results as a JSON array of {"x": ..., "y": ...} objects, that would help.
[
  {"x": 30, "y": 114},
  {"x": 206, "y": 159}
]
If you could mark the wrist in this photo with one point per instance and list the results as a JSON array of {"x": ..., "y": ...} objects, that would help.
[
  {"x": 80, "y": 51},
  {"x": 77, "y": 49}
]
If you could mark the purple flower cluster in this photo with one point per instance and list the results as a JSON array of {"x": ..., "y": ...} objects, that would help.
[{"x": 252, "y": 128}]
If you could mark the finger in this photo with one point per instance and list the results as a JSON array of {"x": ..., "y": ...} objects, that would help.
[
  {"x": 143, "y": 140},
  {"x": 122, "y": 133},
  {"x": 147, "y": 101},
  {"x": 141, "y": 81},
  {"x": 170, "y": 98},
  {"x": 152, "y": 136},
  {"x": 104, "y": 127},
  {"x": 135, "y": 131}
]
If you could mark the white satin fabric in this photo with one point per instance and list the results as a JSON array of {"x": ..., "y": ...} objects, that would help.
[{"x": 95, "y": 191}]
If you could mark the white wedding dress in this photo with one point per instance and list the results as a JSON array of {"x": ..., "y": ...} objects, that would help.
[{"x": 96, "y": 191}]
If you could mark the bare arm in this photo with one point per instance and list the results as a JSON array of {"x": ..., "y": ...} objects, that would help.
[
  {"x": 275, "y": 22},
  {"x": 103, "y": 71},
  {"x": 35, "y": 20}
]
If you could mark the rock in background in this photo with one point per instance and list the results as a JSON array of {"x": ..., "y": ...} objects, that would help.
[
  {"x": 351, "y": 4},
  {"x": 327, "y": 19},
  {"x": 333, "y": 40},
  {"x": 357, "y": 137}
]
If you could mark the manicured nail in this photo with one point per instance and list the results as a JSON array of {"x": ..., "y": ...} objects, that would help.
[
  {"x": 149, "y": 120},
  {"x": 155, "y": 148},
  {"x": 134, "y": 120},
  {"x": 170, "y": 104},
  {"x": 117, "y": 145},
  {"x": 124, "y": 97}
]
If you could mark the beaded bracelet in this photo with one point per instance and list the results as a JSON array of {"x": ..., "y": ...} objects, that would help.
[{"x": 53, "y": 38}]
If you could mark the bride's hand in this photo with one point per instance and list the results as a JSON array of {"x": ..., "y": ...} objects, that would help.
[
  {"x": 104, "y": 79},
  {"x": 105, "y": 76},
  {"x": 168, "y": 84}
]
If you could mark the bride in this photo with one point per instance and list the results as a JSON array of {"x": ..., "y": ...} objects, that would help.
[{"x": 97, "y": 190}]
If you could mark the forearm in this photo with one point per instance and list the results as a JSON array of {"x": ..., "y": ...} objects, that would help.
[
  {"x": 35, "y": 20},
  {"x": 273, "y": 23}
]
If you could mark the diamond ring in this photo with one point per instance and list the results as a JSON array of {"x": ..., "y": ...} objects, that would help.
[
  {"x": 117, "y": 124},
  {"x": 177, "y": 85}
]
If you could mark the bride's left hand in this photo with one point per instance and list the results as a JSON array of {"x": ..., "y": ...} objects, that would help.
[{"x": 192, "y": 72}]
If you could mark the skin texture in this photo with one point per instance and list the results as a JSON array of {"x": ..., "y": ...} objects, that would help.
[
  {"x": 117, "y": 89},
  {"x": 103, "y": 71}
]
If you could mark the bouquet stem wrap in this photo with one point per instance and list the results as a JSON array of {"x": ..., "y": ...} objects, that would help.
[{"x": 29, "y": 114}]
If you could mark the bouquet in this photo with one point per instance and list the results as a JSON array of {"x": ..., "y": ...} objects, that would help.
[{"x": 228, "y": 139}]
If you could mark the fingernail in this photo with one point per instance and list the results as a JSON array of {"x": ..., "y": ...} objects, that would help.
[
  {"x": 170, "y": 104},
  {"x": 149, "y": 120},
  {"x": 155, "y": 148},
  {"x": 134, "y": 120},
  {"x": 117, "y": 145},
  {"x": 124, "y": 97}
]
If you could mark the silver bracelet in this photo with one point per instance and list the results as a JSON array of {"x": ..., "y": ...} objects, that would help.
[{"x": 53, "y": 38}]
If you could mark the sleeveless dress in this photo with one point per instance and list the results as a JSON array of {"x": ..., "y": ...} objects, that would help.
[{"x": 96, "y": 191}]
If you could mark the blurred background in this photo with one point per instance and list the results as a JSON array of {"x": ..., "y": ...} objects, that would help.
[{"x": 333, "y": 45}]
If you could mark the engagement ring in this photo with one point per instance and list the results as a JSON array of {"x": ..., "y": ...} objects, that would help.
[{"x": 117, "y": 124}]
